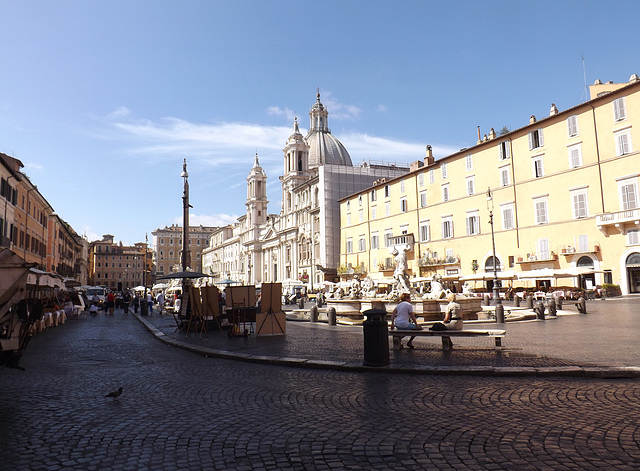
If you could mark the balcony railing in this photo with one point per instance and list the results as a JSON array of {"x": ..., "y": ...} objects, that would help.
[{"x": 618, "y": 220}]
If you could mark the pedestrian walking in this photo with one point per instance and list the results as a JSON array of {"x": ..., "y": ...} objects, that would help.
[
  {"x": 160, "y": 301},
  {"x": 136, "y": 302},
  {"x": 126, "y": 300},
  {"x": 111, "y": 303},
  {"x": 150, "y": 302}
]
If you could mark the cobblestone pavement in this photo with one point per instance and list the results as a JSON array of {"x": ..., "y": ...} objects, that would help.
[
  {"x": 180, "y": 410},
  {"x": 570, "y": 344}
]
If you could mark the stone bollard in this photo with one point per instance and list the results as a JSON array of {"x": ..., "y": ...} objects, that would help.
[
  {"x": 551, "y": 307},
  {"x": 499, "y": 314},
  {"x": 487, "y": 299},
  {"x": 582, "y": 305},
  {"x": 539, "y": 309},
  {"x": 559, "y": 302},
  {"x": 331, "y": 315},
  {"x": 529, "y": 302},
  {"x": 301, "y": 302},
  {"x": 313, "y": 313},
  {"x": 516, "y": 301}
]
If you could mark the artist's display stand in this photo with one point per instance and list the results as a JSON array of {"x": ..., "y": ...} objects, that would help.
[
  {"x": 242, "y": 315},
  {"x": 271, "y": 320}
]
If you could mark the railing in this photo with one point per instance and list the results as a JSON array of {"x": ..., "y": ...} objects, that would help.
[
  {"x": 404, "y": 239},
  {"x": 619, "y": 216}
]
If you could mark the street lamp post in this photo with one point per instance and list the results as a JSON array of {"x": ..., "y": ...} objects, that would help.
[
  {"x": 496, "y": 287},
  {"x": 186, "y": 255}
]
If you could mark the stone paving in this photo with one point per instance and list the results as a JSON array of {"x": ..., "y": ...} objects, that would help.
[
  {"x": 601, "y": 342},
  {"x": 181, "y": 410}
]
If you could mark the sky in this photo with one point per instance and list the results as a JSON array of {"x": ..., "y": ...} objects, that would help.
[{"x": 103, "y": 100}]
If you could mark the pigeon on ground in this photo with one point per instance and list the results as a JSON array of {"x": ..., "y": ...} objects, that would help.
[{"x": 115, "y": 394}]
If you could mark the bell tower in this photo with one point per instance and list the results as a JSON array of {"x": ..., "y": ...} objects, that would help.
[
  {"x": 256, "y": 195},
  {"x": 296, "y": 165}
]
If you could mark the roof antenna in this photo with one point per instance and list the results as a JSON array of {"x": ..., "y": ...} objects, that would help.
[{"x": 585, "y": 92}]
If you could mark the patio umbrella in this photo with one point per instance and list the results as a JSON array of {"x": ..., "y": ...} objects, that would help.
[
  {"x": 183, "y": 274},
  {"x": 227, "y": 282}
]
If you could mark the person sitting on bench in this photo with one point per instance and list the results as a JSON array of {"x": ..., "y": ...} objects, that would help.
[
  {"x": 404, "y": 319},
  {"x": 453, "y": 314}
]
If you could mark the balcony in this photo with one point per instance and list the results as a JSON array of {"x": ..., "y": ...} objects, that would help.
[
  {"x": 404, "y": 239},
  {"x": 621, "y": 221}
]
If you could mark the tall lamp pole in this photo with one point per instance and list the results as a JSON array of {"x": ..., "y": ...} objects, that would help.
[
  {"x": 496, "y": 283},
  {"x": 186, "y": 254}
]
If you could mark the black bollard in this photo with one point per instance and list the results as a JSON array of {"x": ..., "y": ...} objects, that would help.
[
  {"x": 516, "y": 301},
  {"x": 487, "y": 299},
  {"x": 499, "y": 314},
  {"x": 582, "y": 305},
  {"x": 551, "y": 307},
  {"x": 313, "y": 313},
  {"x": 539, "y": 308},
  {"x": 529, "y": 302},
  {"x": 559, "y": 302},
  {"x": 331, "y": 315}
]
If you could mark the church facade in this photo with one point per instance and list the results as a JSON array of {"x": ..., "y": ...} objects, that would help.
[{"x": 301, "y": 243}]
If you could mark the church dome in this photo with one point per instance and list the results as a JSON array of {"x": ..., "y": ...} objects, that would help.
[{"x": 324, "y": 148}]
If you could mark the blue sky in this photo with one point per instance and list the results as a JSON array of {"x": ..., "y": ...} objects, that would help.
[{"x": 102, "y": 101}]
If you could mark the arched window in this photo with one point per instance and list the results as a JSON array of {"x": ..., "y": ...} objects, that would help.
[
  {"x": 633, "y": 260},
  {"x": 585, "y": 262},
  {"x": 488, "y": 265}
]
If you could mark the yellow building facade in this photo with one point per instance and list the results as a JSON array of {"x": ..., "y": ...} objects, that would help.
[{"x": 562, "y": 193}]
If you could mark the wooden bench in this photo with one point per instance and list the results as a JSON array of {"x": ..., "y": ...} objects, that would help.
[{"x": 496, "y": 335}]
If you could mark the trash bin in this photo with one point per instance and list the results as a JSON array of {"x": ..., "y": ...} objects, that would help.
[
  {"x": 376, "y": 338},
  {"x": 144, "y": 308}
]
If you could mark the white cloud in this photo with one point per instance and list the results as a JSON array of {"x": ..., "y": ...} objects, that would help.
[
  {"x": 211, "y": 220},
  {"x": 366, "y": 147},
  {"x": 284, "y": 112},
  {"x": 118, "y": 113}
]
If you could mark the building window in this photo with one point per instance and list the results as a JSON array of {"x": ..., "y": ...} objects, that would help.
[
  {"x": 432, "y": 176},
  {"x": 469, "y": 162},
  {"x": 403, "y": 205},
  {"x": 572, "y": 125},
  {"x": 387, "y": 209},
  {"x": 473, "y": 223},
  {"x": 425, "y": 232},
  {"x": 575, "y": 156},
  {"x": 540, "y": 205},
  {"x": 402, "y": 190},
  {"x": 633, "y": 237},
  {"x": 505, "y": 150},
  {"x": 538, "y": 168},
  {"x": 374, "y": 212},
  {"x": 579, "y": 203},
  {"x": 348, "y": 218},
  {"x": 447, "y": 227},
  {"x": 583, "y": 243},
  {"x": 543, "y": 249},
  {"x": 374, "y": 241},
  {"x": 421, "y": 179},
  {"x": 348, "y": 205},
  {"x": 628, "y": 194},
  {"x": 470, "y": 185},
  {"x": 386, "y": 191},
  {"x": 443, "y": 170},
  {"x": 504, "y": 176},
  {"x": 445, "y": 192},
  {"x": 423, "y": 199},
  {"x": 619, "y": 109},
  {"x": 387, "y": 238},
  {"x": 349, "y": 245},
  {"x": 535, "y": 139},
  {"x": 623, "y": 142},
  {"x": 373, "y": 195},
  {"x": 360, "y": 216},
  {"x": 361, "y": 245}
]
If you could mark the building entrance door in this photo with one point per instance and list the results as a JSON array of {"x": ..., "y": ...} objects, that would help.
[{"x": 633, "y": 272}]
